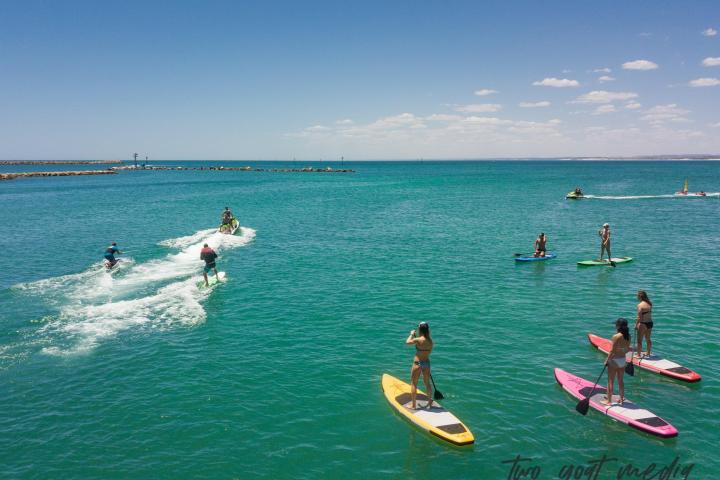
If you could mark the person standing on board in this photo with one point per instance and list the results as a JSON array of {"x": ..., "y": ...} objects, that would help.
[
  {"x": 209, "y": 255},
  {"x": 644, "y": 323},
  {"x": 604, "y": 234},
  {"x": 109, "y": 255},
  {"x": 616, "y": 360},
  {"x": 421, "y": 361},
  {"x": 540, "y": 245}
]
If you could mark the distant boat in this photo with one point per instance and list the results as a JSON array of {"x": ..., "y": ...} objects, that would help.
[{"x": 684, "y": 192}]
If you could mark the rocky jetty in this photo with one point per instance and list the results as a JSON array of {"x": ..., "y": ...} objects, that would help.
[
  {"x": 59, "y": 162},
  {"x": 238, "y": 169},
  {"x": 13, "y": 175}
]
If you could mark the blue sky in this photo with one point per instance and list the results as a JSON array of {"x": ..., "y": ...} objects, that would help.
[{"x": 363, "y": 80}]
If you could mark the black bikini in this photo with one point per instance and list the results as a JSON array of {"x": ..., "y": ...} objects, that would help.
[{"x": 649, "y": 324}]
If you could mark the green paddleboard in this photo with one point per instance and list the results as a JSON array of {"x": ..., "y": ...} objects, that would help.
[
  {"x": 595, "y": 263},
  {"x": 212, "y": 280}
]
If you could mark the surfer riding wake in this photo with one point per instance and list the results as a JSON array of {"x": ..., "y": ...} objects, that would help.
[
  {"x": 209, "y": 255},
  {"x": 109, "y": 255}
]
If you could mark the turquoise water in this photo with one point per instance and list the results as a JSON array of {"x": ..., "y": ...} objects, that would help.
[{"x": 276, "y": 374}]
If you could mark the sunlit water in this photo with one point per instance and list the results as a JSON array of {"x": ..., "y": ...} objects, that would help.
[{"x": 276, "y": 373}]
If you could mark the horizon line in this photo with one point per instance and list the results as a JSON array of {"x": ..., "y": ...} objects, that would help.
[{"x": 670, "y": 157}]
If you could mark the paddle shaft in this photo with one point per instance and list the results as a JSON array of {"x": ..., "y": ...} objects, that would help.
[
  {"x": 583, "y": 404},
  {"x": 436, "y": 393},
  {"x": 597, "y": 381}
]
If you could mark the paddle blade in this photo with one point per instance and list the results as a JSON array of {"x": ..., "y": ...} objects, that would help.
[
  {"x": 583, "y": 406},
  {"x": 437, "y": 395},
  {"x": 630, "y": 369}
]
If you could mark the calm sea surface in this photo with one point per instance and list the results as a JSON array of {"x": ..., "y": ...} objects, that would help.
[{"x": 276, "y": 374}]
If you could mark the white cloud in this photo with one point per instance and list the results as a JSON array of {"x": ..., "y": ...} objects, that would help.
[
  {"x": 345, "y": 121},
  {"x": 439, "y": 133},
  {"x": 602, "y": 70},
  {"x": 705, "y": 82},
  {"x": 709, "y": 32},
  {"x": 602, "y": 96},
  {"x": 402, "y": 120},
  {"x": 557, "y": 82},
  {"x": 606, "y": 78},
  {"x": 544, "y": 103},
  {"x": 711, "y": 62},
  {"x": 632, "y": 105},
  {"x": 479, "y": 108},
  {"x": 484, "y": 92},
  {"x": 318, "y": 128},
  {"x": 442, "y": 117},
  {"x": 640, "y": 65},
  {"x": 456, "y": 135},
  {"x": 665, "y": 113},
  {"x": 486, "y": 121},
  {"x": 604, "y": 109}
]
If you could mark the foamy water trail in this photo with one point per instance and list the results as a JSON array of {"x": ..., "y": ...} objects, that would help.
[
  {"x": 646, "y": 197},
  {"x": 96, "y": 304},
  {"x": 81, "y": 328}
]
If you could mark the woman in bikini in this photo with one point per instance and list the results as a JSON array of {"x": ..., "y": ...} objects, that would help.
[
  {"x": 421, "y": 362},
  {"x": 616, "y": 359},
  {"x": 644, "y": 323},
  {"x": 604, "y": 234}
]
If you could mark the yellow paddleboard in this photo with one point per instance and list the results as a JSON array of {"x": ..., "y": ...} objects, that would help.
[{"x": 435, "y": 420}]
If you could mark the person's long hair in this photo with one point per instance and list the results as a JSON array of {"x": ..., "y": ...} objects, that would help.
[
  {"x": 424, "y": 330},
  {"x": 622, "y": 326},
  {"x": 644, "y": 297}
]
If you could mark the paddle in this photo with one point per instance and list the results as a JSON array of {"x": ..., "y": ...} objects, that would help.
[
  {"x": 629, "y": 367},
  {"x": 436, "y": 393},
  {"x": 584, "y": 404}
]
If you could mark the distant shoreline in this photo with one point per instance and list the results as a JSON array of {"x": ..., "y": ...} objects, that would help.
[{"x": 639, "y": 158}]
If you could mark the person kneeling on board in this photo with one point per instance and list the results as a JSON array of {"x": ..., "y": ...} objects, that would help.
[
  {"x": 421, "y": 361},
  {"x": 616, "y": 359},
  {"x": 540, "y": 245},
  {"x": 209, "y": 255},
  {"x": 109, "y": 255}
]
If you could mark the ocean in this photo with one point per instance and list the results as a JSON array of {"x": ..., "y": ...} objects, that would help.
[{"x": 276, "y": 373}]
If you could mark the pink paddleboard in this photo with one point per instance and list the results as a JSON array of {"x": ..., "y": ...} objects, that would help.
[
  {"x": 625, "y": 412},
  {"x": 653, "y": 362}
]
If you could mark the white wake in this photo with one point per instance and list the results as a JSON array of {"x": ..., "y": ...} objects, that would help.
[
  {"x": 96, "y": 305},
  {"x": 646, "y": 197}
]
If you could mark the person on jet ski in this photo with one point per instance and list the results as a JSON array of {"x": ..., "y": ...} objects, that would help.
[{"x": 227, "y": 217}]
